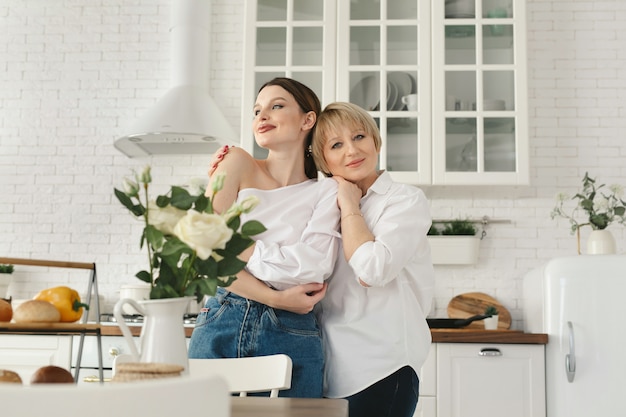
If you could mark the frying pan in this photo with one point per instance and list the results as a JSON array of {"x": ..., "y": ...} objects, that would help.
[{"x": 453, "y": 323}]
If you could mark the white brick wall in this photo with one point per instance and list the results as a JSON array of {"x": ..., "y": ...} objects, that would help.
[{"x": 74, "y": 74}]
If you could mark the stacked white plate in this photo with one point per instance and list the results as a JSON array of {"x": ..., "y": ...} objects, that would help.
[
  {"x": 366, "y": 93},
  {"x": 404, "y": 85}
]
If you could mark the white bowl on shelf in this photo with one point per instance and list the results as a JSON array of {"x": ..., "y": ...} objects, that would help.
[{"x": 460, "y": 9}]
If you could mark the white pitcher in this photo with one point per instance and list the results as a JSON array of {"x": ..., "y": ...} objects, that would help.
[{"x": 162, "y": 336}]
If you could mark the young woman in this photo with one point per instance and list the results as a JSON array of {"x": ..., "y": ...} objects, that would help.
[
  {"x": 374, "y": 314},
  {"x": 299, "y": 246}
]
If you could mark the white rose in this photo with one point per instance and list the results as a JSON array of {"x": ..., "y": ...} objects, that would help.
[
  {"x": 164, "y": 219},
  {"x": 601, "y": 203},
  {"x": 203, "y": 232},
  {"x": 246, "y": 206},
  {"x": 131, "y": 188},
  {"x": 249, "y": 203},
  {"x": 145, "y": 177}
]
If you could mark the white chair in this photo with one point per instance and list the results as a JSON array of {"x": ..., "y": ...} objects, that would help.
[
  {"x": 167, "y": 397},
  {"x": 246, "y": 375}
]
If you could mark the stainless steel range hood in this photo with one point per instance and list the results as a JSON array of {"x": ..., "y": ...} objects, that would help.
[{"x": 185, "y": 120}]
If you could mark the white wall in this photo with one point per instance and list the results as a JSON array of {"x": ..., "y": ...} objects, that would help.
[{"x": 73, "y": 74}]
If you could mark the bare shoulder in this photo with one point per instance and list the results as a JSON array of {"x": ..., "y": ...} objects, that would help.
[{"x": 237, "y": 159}]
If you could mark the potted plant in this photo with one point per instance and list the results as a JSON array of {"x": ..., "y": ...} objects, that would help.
[
  {"x": 5, "y": 278},
  {"x": 491, "y": 322},
  {"x": 600, "y": 208},
  {"x": 454, "y": 242},
  {"x": 191, "y": 251}
]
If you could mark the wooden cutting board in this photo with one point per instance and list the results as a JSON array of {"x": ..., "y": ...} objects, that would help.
[{"x": 469, "y": 304}]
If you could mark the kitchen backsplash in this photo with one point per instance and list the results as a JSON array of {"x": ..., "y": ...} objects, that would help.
[{"x": 74, "y": 75}]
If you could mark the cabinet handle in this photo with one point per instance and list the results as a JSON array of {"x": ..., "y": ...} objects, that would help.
[
  {"x": 94, "y": 378},
  {"x": 490, "y": 352},
  {"x": 570, "y": 358}
]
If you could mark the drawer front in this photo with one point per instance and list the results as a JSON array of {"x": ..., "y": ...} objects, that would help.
[
  {"x": 111, "y": 347},
  {"x": 25, "y": 354}
]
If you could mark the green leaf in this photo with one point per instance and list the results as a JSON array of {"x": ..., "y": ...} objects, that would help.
[
  {"x": 137, "y": 210},
  {"x": 587, "y": 204},
  {"x": 235, "y": 245},
  {"x": 207, "y": 286},
  {"x": 144, "y": 276},
  {"x": 228, "y": 281},
  {"x": 252, "y": 227},
  {"x": 601, "y": 221},
  {"x": 229, "y": 266},
  {"x": 163, "y": 291},
  {"x": 206, "y": 267},
  {"x": 174, "y": 246},
  {"x": 172, "y": 280},
  {"x": 201, "y": 204},
  {"x": 154, "y": 237},
  {"x": 234, "y": 223},
  {"x": 156, "y": 263},
  {"x": 163, "y": 201},
  {"x": 181, "y": 198}
]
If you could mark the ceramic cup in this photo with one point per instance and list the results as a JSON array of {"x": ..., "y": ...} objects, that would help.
[{"x": 410, "y": 101}]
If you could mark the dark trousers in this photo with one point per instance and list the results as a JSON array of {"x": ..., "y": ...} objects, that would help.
[{"x": 394, "y": 396}]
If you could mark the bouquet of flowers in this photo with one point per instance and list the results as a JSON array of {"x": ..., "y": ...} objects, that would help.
[
  {"x": 600, "y": 207},
  {"x": 191, "y": 249}
]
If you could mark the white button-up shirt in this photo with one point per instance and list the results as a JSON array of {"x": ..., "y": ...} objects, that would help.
[
  {"x": 301, "y": 243},
  {"x": 371, "y": 332}
]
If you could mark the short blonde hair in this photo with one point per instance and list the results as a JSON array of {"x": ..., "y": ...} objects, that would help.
[{"x": 334, "y": 116}]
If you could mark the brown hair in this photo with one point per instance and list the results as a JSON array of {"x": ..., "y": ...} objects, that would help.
[
  {"x": 334, "y": 116},
  {"x": 308, "y": 101}
]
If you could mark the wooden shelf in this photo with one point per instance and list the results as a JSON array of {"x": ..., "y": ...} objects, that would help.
[
  {"x": 81, "y": 328},
  {"x": 36, "y": 328}
]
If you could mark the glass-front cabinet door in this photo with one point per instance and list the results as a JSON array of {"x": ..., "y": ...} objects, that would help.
[
  {"x": 480, "y": 133},
  {"x": 445, "y": 80},
  {"x": 287, "y": 38},
  {"x": 383, "y": 65}
]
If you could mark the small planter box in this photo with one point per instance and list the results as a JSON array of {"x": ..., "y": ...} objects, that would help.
[
  {"x": 454, "y": 250},
  {"x": 5, "y": 281}
]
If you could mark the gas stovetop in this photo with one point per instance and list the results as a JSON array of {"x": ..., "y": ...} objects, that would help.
[{"x": 188, "y": 318}]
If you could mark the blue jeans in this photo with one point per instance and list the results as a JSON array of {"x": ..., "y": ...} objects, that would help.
[
  {"x": 393, "y": 396},
  {"x": 230, "y": 326}
]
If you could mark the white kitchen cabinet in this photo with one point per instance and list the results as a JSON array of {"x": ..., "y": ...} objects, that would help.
[
  {"x": 477, "y": 380},
  {"x": 364, "y": 50},
  {"x": 25, "y": 354},
  {"x": 480, "y": 101},
  {"x": 427, "y": 403}
]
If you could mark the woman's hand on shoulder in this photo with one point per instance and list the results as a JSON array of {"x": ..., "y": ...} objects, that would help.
[
  {"x": 234, "y": 162},
  {"x": 237, "y": 166},
  {"x": 218, "y": 156}
]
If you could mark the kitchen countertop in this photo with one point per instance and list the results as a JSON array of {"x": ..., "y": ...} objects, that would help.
[
  {"x": 487, "y": 336},
  {"x": 438, "y": 335}
]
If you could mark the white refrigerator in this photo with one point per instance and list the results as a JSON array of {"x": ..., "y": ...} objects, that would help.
[{"x": 580, "y": 303}]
